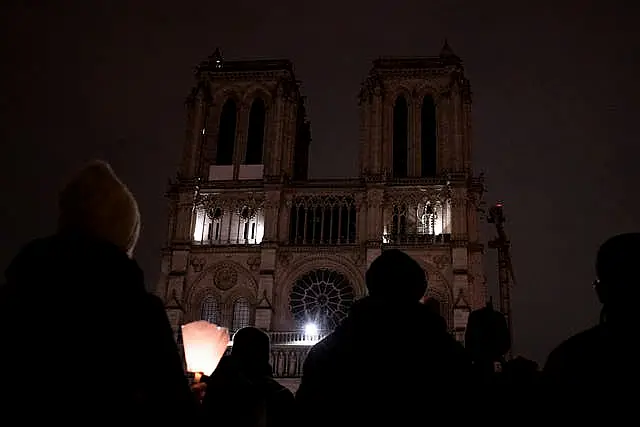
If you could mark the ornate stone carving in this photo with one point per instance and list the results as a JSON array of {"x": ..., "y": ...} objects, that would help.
[
  {"x": 198, "y": 264},
  {"x": 225, "y": 277},
  {"x": 375, "y": 198},
  {"x": 372, "y": 86},
  {"x": 254, "y": 263},
  {"x": 441, "y": 261},
  {"x": 285, "y": 258},
  {"x": 236, "y": 201}
]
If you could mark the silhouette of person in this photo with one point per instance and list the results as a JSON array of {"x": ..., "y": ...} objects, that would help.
[
  {"x": 487, "y": 340},
  {"x": 76, "y": 315},
  {"x": 599, "y": 365},
  {"x": 389, "y": 358},
  {"x": 242, "y": 392}
]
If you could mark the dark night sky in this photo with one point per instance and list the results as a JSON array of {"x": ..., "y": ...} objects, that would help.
[{"x": 555, "y": 113}]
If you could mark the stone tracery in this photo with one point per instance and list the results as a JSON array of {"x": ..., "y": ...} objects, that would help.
[
  {"x": 323, "y": 219},
  {"x": 322, "y": 297}
]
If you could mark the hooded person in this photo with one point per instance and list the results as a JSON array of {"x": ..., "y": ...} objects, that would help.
[
  {"x": 242, "y": 391},
  {"x": 75, "y": 311},
  {"x": 389, "y": 356}
]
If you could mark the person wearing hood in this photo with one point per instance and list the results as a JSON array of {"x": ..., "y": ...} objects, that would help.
[
  {"x": 82, "y": 337},
  {"x": 387, "y": 359},
  {"x": 242, "y": 392}
]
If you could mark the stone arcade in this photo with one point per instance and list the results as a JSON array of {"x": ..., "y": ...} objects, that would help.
[{"x": 252, "y": 241}]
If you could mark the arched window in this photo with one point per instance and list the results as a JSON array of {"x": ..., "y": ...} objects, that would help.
[
  {"x": 241, "y": 314},
  {"x": 428, "y": 143},
  {"x": 210, "y": 310},
  {"x": 227, "y": 133},
  {"x": 255, "y": 137},
  {"x": 400, "y": 136}
]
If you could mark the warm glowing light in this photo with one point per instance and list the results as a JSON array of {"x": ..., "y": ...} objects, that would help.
[
  {"x": 310, "y": 329},
  {"x": 204, "y": 345},
  {"x": 198, "y": 230},
  {"x": 226, "y": 228}
]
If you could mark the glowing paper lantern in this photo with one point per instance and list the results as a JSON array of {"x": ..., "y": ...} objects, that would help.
[{"x": 204, "y": 345}]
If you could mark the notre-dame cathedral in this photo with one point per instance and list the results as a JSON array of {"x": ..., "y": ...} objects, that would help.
[{"x": 251, "y": 240}]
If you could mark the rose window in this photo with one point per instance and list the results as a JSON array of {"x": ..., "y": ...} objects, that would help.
[{"x": 322, "y": 297}]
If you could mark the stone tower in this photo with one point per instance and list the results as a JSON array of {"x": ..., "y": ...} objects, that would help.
[
  {"x": 246, "y": 135},
  {"x": 415, "y": 158}
]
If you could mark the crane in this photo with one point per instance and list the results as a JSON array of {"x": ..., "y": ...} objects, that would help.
[{"x": 506, "y": 278}]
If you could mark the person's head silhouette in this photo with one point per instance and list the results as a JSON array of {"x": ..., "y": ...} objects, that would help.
[
  {"x": 251, "y": 348},
  {"x": 395, "y": 276},
  {"x": 617, "y": 280}
]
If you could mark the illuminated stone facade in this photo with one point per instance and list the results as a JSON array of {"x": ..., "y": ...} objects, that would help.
[{"x": 252, "y": 240}]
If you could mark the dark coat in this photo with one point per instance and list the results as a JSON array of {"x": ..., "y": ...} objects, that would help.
[
  {"x": 247, "y": 396},
  {"x": 383, "y": 363},
  {"x": 83, "y": 338},
  {"x": 597, "y": 368}
]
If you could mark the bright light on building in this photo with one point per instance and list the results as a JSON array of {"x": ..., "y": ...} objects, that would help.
[{"x": 310, "y": 329}]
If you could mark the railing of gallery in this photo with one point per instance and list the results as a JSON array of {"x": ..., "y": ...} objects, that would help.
[{"x": 288, "y": 352}]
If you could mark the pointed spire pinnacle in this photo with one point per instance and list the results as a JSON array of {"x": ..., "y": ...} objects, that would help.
[
  {"x": 446, "y": 50},
  {"x": 216, "y": 59}
]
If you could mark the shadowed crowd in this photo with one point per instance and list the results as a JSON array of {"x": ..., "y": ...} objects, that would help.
[{"x": 84, "y": 342}]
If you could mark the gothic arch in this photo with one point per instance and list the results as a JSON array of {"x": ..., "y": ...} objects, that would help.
[
  {"x": 222, "y": 95},
  {"x": 428, "y": 89},
  {"x": 233, "y": 294},
  {"x": 398, "y": 91},
  {"x": 197, "y": 292},
  {"x": 195, "y": 299},
  {"x": 257, "y": 91},
  {"x": 307, "y": 264}
]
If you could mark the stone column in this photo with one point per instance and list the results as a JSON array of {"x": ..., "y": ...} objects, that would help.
[
  {"x": 194, "y": 137},
  {"x": 284, "y": 217},
  {"x": 278, "y": 120},
  {"x": 366, "y": 142},
  {"x": 376, "y": 135},
  {"x": 458, "y": 212},
  {"x": 417, "y": 160},
  {"x": 271, "y": 216},
  {"x": 467, "y": 135},
  {"x": 374, "y": 214},
  {"x": 443, "y": 119},
  {"x": 184, "y": 217},
  {"x": 457, "y": 129},
  {"x": 411, "y": 138},
  {"x": 361, "y": 212},
  {"x": 242, "y": 130}
]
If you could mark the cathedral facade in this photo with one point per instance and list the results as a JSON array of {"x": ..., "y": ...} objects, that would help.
[{"x": 253, "y": 241}]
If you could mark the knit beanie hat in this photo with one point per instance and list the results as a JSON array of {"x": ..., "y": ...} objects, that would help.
[
  {"x": 394, "y": 275},
  {"x": 96, "y": 203}
]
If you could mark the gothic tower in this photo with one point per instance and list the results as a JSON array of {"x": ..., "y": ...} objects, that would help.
[
  {"x": 415, "y": 157},
  {"x": 246, "y": 135}
]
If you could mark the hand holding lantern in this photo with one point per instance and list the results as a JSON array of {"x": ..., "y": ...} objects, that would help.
[{"x": 204, "y": 345}]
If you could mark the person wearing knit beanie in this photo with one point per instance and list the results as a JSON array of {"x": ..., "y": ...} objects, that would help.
[
  {"x": 96, "y": 203},
  {"x": 83, "y": 281}
]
